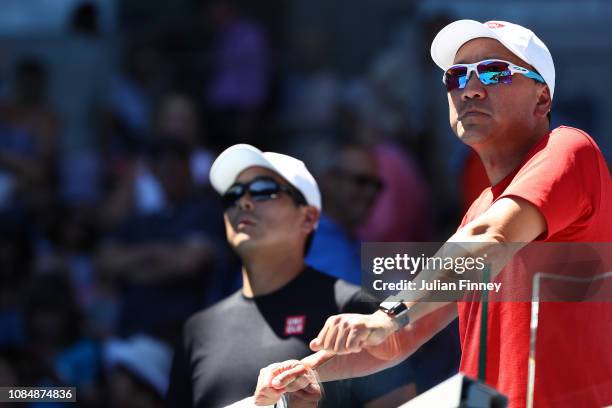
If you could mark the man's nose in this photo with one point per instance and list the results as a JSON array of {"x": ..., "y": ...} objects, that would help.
[
  {"x": 474, "y": 89},
  {"x": 245, "y": 202}
]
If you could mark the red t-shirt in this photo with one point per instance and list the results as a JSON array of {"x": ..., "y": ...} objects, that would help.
[{"x": 566, "y": 177}]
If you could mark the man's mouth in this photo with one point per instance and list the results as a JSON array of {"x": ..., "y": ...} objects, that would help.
[
  {"x": 245, "y": 221},
  {"x": 471, "y": 113}
]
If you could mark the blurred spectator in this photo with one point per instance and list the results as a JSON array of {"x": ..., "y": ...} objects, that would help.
[
  {"x": 87, "y": 68},
  {"x": 84, "y": 76},
  {"x": 30, "y": 109},
  {"x": 65, "y": 242},
  {"x": 240, "y": 74},
  {"x": 165, "y": 261},
  {"x": 134, "y": 90},
  {"x": 29, "y": 129},
  {"x": 56, "y": 343},
  {"x": 352, "y": 189},
  {"x": 137, "y": 189},
  {"x": 378, "y": 111},
  {"x": 138, "y": 370},
  {"x": 177, "y": 118},
  {"x": 350, "y": 185},
  {"x": 311, "y": 89},
  {"x": 402, "y": 212}
]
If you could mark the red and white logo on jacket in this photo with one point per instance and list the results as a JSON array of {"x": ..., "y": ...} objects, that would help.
[{"x": 295, "y": 325}]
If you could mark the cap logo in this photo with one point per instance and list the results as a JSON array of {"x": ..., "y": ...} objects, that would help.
[{"x": 492, "y": 24}]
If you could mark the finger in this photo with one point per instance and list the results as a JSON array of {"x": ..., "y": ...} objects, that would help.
[
  {"x": 300, "y": 382},
  {"x": 356, "y": 338},
  {"x": 268, "y": 395},
  {"x": 268, "y": 371},
  {"x": 317, "y": 359},
  {"x": 330, "y": 338},
  {"x": 341, "y": 338},
  {"x": 278, "y": 368},
  {"x": 267, "y": 398},
  {"x": 318, "y": 341},
  {"x": 287, "y": 377},
  {"x": 264, "y": 378}
]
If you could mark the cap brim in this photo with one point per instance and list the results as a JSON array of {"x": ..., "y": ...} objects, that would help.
[
  {"x": 138, "y": 359},
  {"x": 448, "y": 41},
  {"x": 234, "y": 161}
]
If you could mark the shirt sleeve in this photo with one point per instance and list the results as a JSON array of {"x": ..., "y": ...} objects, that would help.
[
  {"x": 560, "y": 179},
  {"x": 363, "y": 303}
]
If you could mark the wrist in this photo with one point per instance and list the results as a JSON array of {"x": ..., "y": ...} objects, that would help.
[
  {"x": 397, "y": 312},
  {"x": 388, "y": 322}
]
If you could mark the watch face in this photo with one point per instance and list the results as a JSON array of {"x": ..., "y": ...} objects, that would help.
[
  {"x": 389, "y": 306},
  {"x": 393, "y": 308}
]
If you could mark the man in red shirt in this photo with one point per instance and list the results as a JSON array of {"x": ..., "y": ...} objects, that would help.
[{"x": 547, "y": 186}]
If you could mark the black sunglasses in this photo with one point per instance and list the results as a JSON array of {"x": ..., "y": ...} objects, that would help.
[{"x": 260, "y": 189}]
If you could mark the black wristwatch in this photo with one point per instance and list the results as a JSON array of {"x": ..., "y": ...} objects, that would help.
[{"x": 398, "y": 311}]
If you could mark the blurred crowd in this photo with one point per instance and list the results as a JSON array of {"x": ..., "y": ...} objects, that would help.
[{"x": 110, "y": 234}]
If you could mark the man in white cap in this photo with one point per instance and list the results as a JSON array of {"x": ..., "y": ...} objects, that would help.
[
  {"x": 547, "y": 186},
  {"x": 138, "y": 371},
  {"x": 271, "y": 210}
]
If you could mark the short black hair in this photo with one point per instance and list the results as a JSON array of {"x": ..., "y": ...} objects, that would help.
[
  {"x": 300, "y": 200},
  {"x": 84, "y": 18}
]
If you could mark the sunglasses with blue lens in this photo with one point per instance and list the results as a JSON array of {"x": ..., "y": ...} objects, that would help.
[
  {"x": 489, "y": 72},
  {"x": 260, "y": 189}
]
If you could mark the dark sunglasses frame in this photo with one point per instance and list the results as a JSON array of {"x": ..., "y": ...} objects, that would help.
[{"x": 272, "y": 190}]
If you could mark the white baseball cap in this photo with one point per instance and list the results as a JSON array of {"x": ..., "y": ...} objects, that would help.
[
  {"x": 235, "y": 159},
  {"x": 521, "y": 41},
  {"x": 145, "y": 357}
]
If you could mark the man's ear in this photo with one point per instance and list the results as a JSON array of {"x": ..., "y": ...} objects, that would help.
[
  {"x": 311, "y": 218},
  {"x": 544, "y": 102}
]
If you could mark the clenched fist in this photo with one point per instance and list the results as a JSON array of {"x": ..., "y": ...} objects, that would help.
[
  {"x": 350, "y": 333},
  {"x": 304, "y": 391}
]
